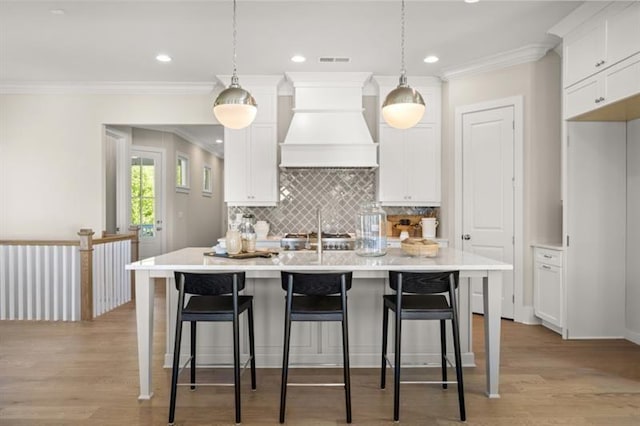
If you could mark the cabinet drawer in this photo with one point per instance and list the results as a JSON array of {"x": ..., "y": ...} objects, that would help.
[{"x": 548, "y": 256}]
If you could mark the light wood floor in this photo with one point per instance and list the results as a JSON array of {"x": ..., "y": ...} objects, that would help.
[{"x": 86, "y": 374}]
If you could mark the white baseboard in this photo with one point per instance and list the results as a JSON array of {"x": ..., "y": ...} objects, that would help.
[
  {"x": 632, "y": 336},
  {"x": 527, "y": 316}
]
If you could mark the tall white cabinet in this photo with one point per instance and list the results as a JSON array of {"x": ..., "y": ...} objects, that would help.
[
  {"x": 601, "y": 80},
  {"x": 251, "y": 154},
  {"x": 409, "y": 160}
]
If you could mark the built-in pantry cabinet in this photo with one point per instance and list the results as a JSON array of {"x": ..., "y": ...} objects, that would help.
[
  {"x": 601, "y": 70},
  {"x": 601, "y": 60},
  {"x": 410, "y": 160}
]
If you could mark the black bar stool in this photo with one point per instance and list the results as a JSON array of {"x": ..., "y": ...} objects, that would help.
[
  {"x": 322, "y": 297},
  {"x": 424, "y": 304},
  {"x": 214, "y": 298}
]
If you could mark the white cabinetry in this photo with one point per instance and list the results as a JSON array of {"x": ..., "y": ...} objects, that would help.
[
  {"x": 611, "y": 85},
  {"x": 251, "y": 154},
  {"x": 251, "y": 169},
  {"x": 409, "y": 172},
  {"x": 409, "y": 166},
  {"x": 548, "y": 290},
  {"x": 610, "y": 37}
]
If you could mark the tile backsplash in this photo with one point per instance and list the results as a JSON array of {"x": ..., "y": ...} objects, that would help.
[{"x": 339, "y": 192}]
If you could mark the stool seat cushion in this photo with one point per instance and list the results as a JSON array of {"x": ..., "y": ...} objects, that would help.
[{"x": 316, "y": 304}]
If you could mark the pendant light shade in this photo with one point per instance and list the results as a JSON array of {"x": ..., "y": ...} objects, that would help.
[
  {"x": 403, "y": 107},
  {"x": 234, "y": 107}
]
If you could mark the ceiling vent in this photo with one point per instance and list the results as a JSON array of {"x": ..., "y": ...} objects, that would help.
[{"x": 330, "y": 59}]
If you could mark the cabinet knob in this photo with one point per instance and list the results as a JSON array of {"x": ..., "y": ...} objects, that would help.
[
  {"x": 466, "y": 237},
  {"x": 600, "y": 63}
]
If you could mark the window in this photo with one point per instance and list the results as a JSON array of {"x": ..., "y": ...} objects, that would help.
[
  {"x": 143, "y": 195},
  {"x": 207, "y": 181},
  {"x": 182, "y": 172}
]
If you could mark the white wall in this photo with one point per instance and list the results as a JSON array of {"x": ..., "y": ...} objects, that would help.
[
  {"x": 539, "y": 84},
  {"x": 633, "y": 231},
  {"x": 52, "y": 177}
]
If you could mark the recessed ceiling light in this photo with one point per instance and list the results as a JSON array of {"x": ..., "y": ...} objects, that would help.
[
  {"x": 298, "y": 58},
  {"x": 471, "y": 1},
  {"x": 163, "y": 58},
  {"x": 57, "y": 11},
  {"x": 431, "y": 59},
  {"x": 218, "y": 140}
]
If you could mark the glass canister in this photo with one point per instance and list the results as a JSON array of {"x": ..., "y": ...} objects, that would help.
[
  {"x": 247, "y": 230},
  {"x": 233, "y": 238},
  {"x": 371, "y": 230}
]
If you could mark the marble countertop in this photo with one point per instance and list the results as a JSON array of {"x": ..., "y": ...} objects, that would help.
[{"x": 193, "y": 258}]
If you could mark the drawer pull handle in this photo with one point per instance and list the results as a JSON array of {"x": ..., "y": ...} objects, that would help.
[
  {"x": 599, "y": 63},
  {"x": 546, "y": 267},
  {"x": 548, "y": 256}
]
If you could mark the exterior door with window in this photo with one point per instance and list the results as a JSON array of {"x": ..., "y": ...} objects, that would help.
[{"x": 146, "y": 200}]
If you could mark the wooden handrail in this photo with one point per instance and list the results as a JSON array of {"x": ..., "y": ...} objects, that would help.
[
  {"x": 39, "y": 243},
  {"x": 111, "y": 238}
]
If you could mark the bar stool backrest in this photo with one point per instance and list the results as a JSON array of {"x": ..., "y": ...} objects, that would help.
[
  {"x": 209, "y": 284},
  {"x": 316, "y": 284},
  {"x": 424, "y": 282}
]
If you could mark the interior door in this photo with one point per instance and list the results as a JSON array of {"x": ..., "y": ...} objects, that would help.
[
  {"x": 146, "y": 200},
  {"x": 488, "y": 194}
]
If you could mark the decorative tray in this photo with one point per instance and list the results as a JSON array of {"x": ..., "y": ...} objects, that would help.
[{"x": 242, "y": 255}]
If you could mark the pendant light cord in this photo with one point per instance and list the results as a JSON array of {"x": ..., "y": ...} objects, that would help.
[
  {"x": 402, "y": 70},
  {"x": 234, "y": 77}
]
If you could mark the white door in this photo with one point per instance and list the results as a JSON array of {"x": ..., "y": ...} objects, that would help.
[
  {"x": 488, "y": 194},
  {"x": 146, "y": 200}
]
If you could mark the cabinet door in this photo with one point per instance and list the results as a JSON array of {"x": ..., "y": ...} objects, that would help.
[
  {"x": 236, "y": 165},
  {"x": 622, "y": 80},
  {"x": 422, "y": 156},
  {"x": 263, "y": 167},
  {"x": 582, "y": 97},
  {"x": 392, "y": 171},
  {"x": 623, "y": 34},
  {"x": 548, "y": 293},
  {"x": 584, "y": 54}
]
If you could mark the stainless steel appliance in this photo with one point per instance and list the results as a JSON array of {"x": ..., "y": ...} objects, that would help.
[{"x": 309, "y": 241}]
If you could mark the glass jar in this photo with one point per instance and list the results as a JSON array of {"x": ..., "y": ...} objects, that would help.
[
  {"x": 248, "y": 233},
  {"x": 371, "y": 230},
  {"x": 233, "y": 239}
]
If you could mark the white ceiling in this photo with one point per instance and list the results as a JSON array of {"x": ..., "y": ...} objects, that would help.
[{"x": 117, "y": 41}]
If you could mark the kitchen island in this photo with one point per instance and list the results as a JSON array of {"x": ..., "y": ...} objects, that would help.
[{"x": 314, "y": 342}]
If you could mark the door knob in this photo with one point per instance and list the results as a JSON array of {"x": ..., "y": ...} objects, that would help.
[{"x": 466, "y": 237}]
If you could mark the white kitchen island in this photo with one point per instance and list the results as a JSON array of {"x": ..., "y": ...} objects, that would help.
[{"x": 317, "y": 342}]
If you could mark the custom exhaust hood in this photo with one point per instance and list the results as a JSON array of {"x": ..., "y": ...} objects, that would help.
[{"x": 328, "y": 127}]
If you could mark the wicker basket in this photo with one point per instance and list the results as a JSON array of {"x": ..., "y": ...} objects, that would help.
[{"x": 419, "y": 247}]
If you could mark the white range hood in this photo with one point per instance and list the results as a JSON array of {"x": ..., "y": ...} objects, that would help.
[{"x": 328, "y": 127}]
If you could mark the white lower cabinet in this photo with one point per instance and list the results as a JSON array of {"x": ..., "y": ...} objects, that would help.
[{"x": 548, "y": 288}]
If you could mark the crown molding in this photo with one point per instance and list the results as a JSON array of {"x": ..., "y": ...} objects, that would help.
[
  {"x": 582, "y": 13},
  {"x": 529, "y": 53},
  {"x": 106, "y": 88},
  {"x": 413, "y": 80}
]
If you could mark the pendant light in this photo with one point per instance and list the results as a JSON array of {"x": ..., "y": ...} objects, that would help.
[
  {"x": 234, "y": 107},
  {"x": 403, "y": 107}
]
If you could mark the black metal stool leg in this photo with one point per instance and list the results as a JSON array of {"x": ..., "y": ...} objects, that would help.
[
  {"x": 236, "y": 362},
  {"x": 456, "y": 344},
  {"x": 396, "y": 370},
  {"x": 285, "y": 364},
  {"x": 193, "y": 354},
  {"x": 345, "y": 354},
  {"x": 176, "y": 369},
  {"x": 385, "y": 329},
  {"x": 252, "y": 348},
  {"x": 443, "y": 350}
]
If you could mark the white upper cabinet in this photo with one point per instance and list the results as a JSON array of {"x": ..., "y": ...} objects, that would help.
[
  {"x": 609, "y": 38},
  {"x": 250, "y": 169},
  {"x": 409, "y": 173}
]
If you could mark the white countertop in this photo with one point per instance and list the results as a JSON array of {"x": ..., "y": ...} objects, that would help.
[{"x": 193, "y": 258}]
